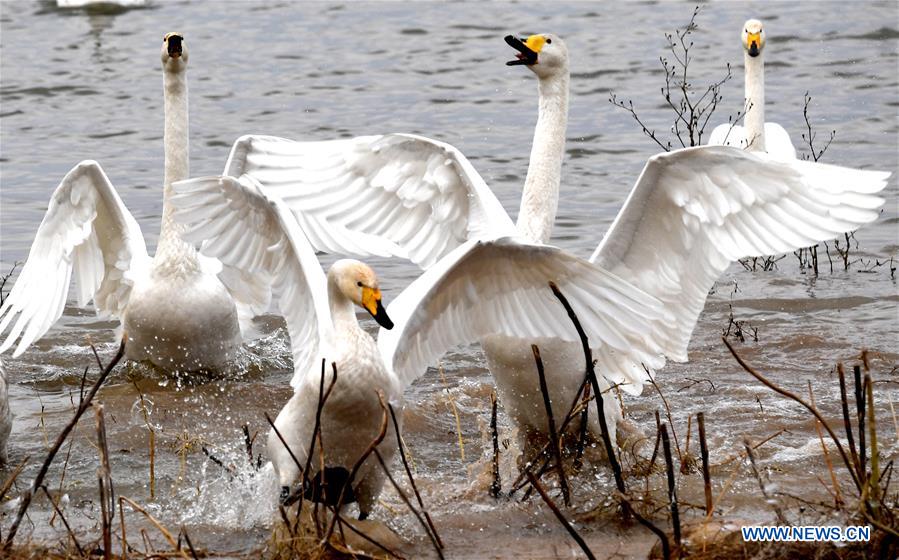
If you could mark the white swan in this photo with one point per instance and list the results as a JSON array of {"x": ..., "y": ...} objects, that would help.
[
  {"x": 756, "y": 134},
  {"x": 495, "y": 285},
  {"x": 691, "y": 213},
  {"x": 166, "y": 304},
  {"x": 5, "y": 415}
]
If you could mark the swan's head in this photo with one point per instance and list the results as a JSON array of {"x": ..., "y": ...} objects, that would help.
[
  {"x": 753, "y": 37},
  {"x": 545, "y": 54},
  {"x": 358, "y": 282},
  {"x": 174, "y": 52}
]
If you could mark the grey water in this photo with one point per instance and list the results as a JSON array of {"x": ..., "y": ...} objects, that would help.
[{"x": 77, "y": 84}]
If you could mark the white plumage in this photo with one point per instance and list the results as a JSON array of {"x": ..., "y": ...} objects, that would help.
[
  {"x": 691, "y": 213},
  {"x": 166, "y": 303}
]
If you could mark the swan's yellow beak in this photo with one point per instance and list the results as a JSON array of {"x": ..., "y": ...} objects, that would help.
[
  {"x": 754, "y": 43},
  {"x": 528, "y": 49},
  {"x": 371, "y": 301}
]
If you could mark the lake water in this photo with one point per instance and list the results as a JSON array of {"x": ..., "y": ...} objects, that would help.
[{"x": 77, "y": 85}]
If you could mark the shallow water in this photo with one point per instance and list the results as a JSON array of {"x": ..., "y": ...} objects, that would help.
[{"x": 77, "y": 85}]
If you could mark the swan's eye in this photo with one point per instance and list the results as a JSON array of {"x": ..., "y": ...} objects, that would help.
[
  {"x": 359, "y": 284},
  {"x": 549, "y": 40}
]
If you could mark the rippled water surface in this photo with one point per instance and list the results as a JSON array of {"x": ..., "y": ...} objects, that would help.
[{"x": 77, "y": 85}]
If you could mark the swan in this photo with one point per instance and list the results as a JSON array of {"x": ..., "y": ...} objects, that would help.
[
  {"x": 756, "y": 134},
  {"x": 244, "y": 225},
  {"x": 165, "y": 303},
  {"x": 5, "y": 416},
  {"x": 690, "y": 214}
]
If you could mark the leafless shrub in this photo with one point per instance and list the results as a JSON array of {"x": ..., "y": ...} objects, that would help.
[{"x": 693, "y": 106}]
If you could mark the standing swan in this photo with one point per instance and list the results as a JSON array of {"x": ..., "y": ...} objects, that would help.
[
  {"x": 165, "y": 304},
  {"x": 690, "y": 214},
  {"x": 757, "y": 134}
]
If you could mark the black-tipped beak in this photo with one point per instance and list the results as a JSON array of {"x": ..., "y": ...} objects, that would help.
[
  {"x": 753, "y": 49},
  {"x": 525, "y": 55},
  {"x": 382, "y": 318},
  {"x": 175, "y": 46}
]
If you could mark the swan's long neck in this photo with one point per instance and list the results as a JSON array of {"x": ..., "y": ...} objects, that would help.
[
  {"x": 172, "y": 251},
  {"x": 343, "y": 311},
  {"x": 541, "y": 187},
  {"x": 755, "y": 100}
]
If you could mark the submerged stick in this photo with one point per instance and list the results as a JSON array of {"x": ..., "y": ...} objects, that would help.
[
  {"x": 571, "y": 531},
  {"x": 496, "y": 486},
  {"x": 104, "y": 478},
  {"x": 663, "y": 538},
  {"x": 764, "y": 380},
  {"x": 64, "y": 522},
  {"x": 551, "y": 424},
  {"x": 780, "y": 516},
  {"x": 860, "y": 410},
  {"x": 42, "y": 472},
  {"x": 165, "y": 532},
  {"x": 847, "y": 422},
  {"x": 438, "y": 547},
  {"x": 421, "y": 504},
  {"x": 704, "y": 452},
  {"x": 672, "y": 486}
]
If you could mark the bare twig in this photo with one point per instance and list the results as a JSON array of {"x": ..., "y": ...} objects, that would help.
[
  {"x": 672, "y": 486},
  {"x": 104, "y": 477},
  {"x": 551, "y": 424},
  {"x": 39, "y": 479},
  {"x": 438, "y": 547},
  {"x": 762, "y": 486},
  {"x": 64, "y": 522},
  {"x": 810, "y": 408},
  {"x": 399, "y": 443},
  {"x": 571, "y": 530},
  {"x": 591, "y": 376},
  {"x": 704, "y": 451},
  {"x": 495, "y": 486}
]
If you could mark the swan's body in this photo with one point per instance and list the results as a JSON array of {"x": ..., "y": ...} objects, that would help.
[
  {"x": 166, "y": 304},
  {"x": 756, "y": 134},
  {"x": 5, "y": 416},
  {"x": 691, "y": 213}
]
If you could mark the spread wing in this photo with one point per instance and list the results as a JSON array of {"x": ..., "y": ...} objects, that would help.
[
  {"x": 257, "y": 236},
  {"x": 500, "y": 286},
  {"x": 387, "y": 195},
  {"x": 696, "y": 210},
  {"x": 86, "y": 230}
]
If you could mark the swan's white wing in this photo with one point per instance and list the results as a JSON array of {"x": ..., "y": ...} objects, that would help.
[
  {"x": 388, "y": 195},
  {"x": 696, "y": 210},
  {"x": 777, "y": 140},
  {"x": 501, "y": 287},
  {"x": 86, "y": 229},
  {"x": 258, "y": 236}
]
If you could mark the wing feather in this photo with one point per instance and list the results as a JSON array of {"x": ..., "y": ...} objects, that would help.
[
  {"x": 86, "y": 230},
  {"x": 389, "y": 195},
  {"x": 256, "y": 236},
  {"x": 696, "y": 210},
  {"x": 499, "y": 286}
]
